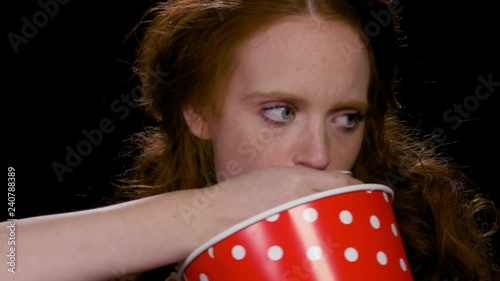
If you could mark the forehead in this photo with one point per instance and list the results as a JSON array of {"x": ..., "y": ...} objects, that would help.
[
  {"x": 306, "y": 34},
  {"x": 302, "y": 54}
]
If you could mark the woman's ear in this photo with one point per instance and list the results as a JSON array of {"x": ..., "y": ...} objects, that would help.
[{"x": 197, "y": 123}]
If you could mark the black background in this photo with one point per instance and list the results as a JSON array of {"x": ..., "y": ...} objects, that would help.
[{"x": 65, "y": 78}]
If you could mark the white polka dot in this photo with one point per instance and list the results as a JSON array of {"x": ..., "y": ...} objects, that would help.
[
  {"x": 211, "y": 252},
  {"x": 369, "y": 191},
  {"x": 351, "y": 254},
  {"x": 402, "y": 263},
  {"x": 375, "y": 222},
  {"x": 386, "y": 197},
  {"x": 273, "y": 218},
  {"x": 382, "y": 258},
  {"x": 203, "y": 277},
  {"x": 394, "y": 230},
  {"x": 238, "y": 252},
  {"x": 310, "y": 215},
  {"x": 314, "y": 253},
  {"x": 275, "y": 253},
  {"x": 345, "y": 217}
]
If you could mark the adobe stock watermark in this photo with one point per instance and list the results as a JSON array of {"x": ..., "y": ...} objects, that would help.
[
  {"x": 459, "y": 112},
  {"x": 373, "y": 29},
  {"x": 31, "y": 26},
  {"x": 314, "y": 255},
  {"x": 249, "y": 148},
  {"x": 454, "y": 115},
  {"x": 121, "y": 108}
]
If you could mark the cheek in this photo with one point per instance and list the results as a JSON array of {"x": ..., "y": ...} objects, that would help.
[
  {"x": 249, "y": 148},
  {"x": 258, "y": 149},
  {"x": 352, "y": 148},
  {"x": 228, "y": 161},
  {"x": 236, "y": 147},
  {"x": 344, "y": 149}
]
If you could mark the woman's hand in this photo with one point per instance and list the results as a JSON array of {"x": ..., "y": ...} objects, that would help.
[{"x": 215, "y": 208}]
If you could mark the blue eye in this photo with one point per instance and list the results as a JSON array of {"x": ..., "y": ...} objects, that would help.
[
  {"x": 280, "y": 114},
  {"x": 348, "y": 121}
]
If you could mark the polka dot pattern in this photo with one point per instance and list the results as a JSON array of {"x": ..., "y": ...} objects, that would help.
[
  {"x": 386, "y": 197},
  {"x": 310, "y": 215},
  {"x": 351, "y": 254},
  {"x": 394, "y": 229},
  {"x": 238, "y": 252},
  {"x": 402, "y": 263},
  {"x": 345, "y": 217},
  {"x": 375, "y": 222},
  {"x": 273, "y": 218},
  {"x": 382, "y": 258},
  {"x": 275, "y": 253},
  {"x": 314, "y": 253},
  {"x": 203, "y": 277},
  {"x": 346, "y": 232}
]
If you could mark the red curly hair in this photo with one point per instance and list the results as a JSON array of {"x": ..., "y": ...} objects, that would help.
[{"x": 445, "y": 222}]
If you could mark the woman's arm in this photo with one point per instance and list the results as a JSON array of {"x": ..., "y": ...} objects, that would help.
[
  {"x": 101, "y": 243},
  {"x": 148, "y": 233}
]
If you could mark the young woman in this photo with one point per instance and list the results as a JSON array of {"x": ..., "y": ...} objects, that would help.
[{"x": 265, "y": 102}]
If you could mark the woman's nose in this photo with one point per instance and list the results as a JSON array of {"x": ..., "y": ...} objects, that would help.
[{"x": 312, "y": 149}]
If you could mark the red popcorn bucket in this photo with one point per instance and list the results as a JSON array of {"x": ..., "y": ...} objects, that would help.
[{"x": 348, "y": 233}]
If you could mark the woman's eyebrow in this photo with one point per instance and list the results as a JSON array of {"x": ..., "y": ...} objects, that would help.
[
  {"x": 361, "y": 106},
  {"x": 351, "y": 104},
  {"x": 273, "y": 94}
]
